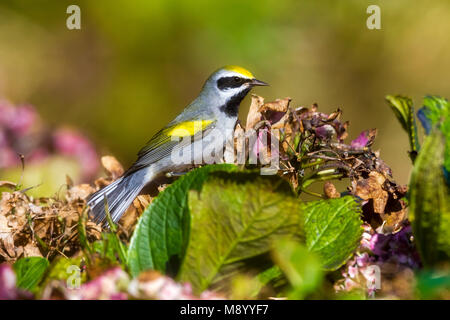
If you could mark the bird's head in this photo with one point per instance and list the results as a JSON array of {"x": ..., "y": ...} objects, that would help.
[{"x": 232, "y": 81}]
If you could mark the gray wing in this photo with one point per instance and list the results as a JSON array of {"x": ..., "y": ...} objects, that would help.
[{"x": 161, "y": 145}]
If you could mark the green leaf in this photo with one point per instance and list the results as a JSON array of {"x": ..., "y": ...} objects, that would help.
[
  {"x": 430, "y": 201},
  {"x": 302, "y": 267},
  {"x": 29, "y": 271},
  {"x": 436, "y": 114},
  {"x": 333, "y": 229},
  {"x": 435, "y": 109},
  {"x": 445, "y": 129},
  {"x": 162, "y": 230},
  {"x": 433, "y": 284},
  {"x": 111, "y": 248},
  {"x": 82, "y": 236},
  {"x": 244, "y": 286},
  {"x": 62, "y": 268},
  {"x": 235, "y": 217},
  {"x": 271, "y": 274},
  {"x": 404, "y": 111}
]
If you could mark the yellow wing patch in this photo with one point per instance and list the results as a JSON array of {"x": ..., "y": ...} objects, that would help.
[
  {"x": 240, "y": 70},
  {"x": 188, "y": 128}
]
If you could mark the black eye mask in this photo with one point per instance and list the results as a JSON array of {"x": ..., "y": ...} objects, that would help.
[{"x": 231, "y": 82}]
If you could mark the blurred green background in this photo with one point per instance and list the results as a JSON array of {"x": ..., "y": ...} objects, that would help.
[{"x": 135, "y": 64}]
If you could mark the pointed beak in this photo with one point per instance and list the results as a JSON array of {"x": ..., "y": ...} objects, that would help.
[{"x": 256, "y": 82}]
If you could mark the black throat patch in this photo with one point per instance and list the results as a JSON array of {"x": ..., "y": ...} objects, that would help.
[{"x": 231, "y": 108}]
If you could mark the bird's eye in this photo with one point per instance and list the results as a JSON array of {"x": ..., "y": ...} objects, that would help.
[{"x": 226, "y": 83}]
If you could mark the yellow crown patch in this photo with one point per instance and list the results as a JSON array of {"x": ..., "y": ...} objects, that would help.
[{"x": 240, "y": 70}]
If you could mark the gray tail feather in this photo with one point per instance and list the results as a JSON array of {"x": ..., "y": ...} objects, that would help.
[{"x": 119, "y": 194}]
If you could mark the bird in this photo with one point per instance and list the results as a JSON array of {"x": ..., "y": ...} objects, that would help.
[{"x": 204, "y": 127}]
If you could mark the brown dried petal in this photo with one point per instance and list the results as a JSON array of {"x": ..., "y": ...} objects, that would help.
[
  {"x": 6, "y": 239},
  {"x": 132, "y": 214},
  {"x": 8, "y": 246},
  {"x": 41, "y": 227},
  {"x": 379, "y": 203},
  {"x": 101, "y": 183},
  {"x": 8, "y": 184},
  {"x": 394, "y": 215},
  {"x": 239, "y": 144},
  {"x": 334, "y": 115},
  {"x": 382, "y": 167},
  {"x": 279, "y": 105},
  {"x": 371, "y": 135},
  {"x": 69, "y": 181},
  {"x": 282, "y": 123},
  {"x": 93, "y": 230},
  {"x": 254, "y": 116},
  {"x": 31, "y": 250},
  {"x": 371, "y": 188},
  {"x": 70, "y": 215},
  {"x": 81, "y": 191},
  {"x": 330, "y": 190},
  {"x": 112, "y": 166}
]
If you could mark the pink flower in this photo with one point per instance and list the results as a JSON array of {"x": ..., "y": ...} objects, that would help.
[
  {"x": 161, "y": 287},
  {"x": 8, "y": 158},
  {"x": 363, "y": 260},
  {"x": 111, "y": 285},
  {"x": 352, "y": 271},
  {"x": 19, "y": 119},
  {"x": 23, "y": 119},
  {"x": 376, "y": 251},
  {"x": 361, "y": 141},
  {"x": 263, "y": 145},
  {"x": 8, "y": 289},
  {"x": 21, "y": 132},
  {"x": 325, "y": 132},
  {"x": 7, "y": 283},
  {"x": 349, "y": 284},
  {"x": 71, "y": 143},
  {"x": 38, "y": 155}
]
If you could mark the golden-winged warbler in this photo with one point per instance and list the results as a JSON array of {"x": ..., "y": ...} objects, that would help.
[{"x": 197, "y": 135}]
